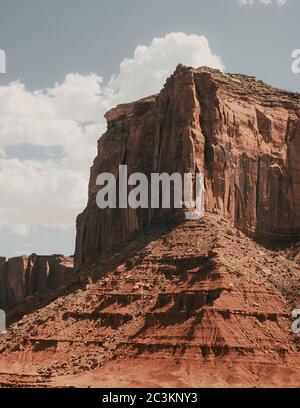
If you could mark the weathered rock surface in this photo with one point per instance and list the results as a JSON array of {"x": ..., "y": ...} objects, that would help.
[
  {"x": 24, "y": 276},
  {"x": 184, "y": 305},
  {"x": 243, "y": 134},
  {"x": 178, "y": 303}
]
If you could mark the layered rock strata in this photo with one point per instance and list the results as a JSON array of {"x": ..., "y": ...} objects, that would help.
[{"x": 189, "y": 305}]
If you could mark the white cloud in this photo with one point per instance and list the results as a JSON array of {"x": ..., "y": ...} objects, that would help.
[
  {"x": 52, "y": 193},
  {"x": 20, "y": 229},
  {"x": 146, "y": 72},
  {"x": 40, "y": 193},
  {"x": 265, "y": 2},
  {"x": 78, "y": 98}
]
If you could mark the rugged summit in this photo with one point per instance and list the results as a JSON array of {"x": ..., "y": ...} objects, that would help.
[{"x": 243, "y": 134}]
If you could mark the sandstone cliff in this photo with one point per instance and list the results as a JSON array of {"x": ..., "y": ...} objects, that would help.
[
  {"x": 181, "y": 303},
  {"x": 243, "y": 134},
  {"x": 24, "y": 276}
]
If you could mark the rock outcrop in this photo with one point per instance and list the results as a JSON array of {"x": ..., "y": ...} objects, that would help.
[
  {"x": 177, "y": 303},
  {"x": 23, "y": 276},
  {"x": 241, "y": 133}
]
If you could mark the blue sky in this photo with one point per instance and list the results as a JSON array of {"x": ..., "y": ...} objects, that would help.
[
  {"x": 68, "y": 61},
  {"x": 46, "y": 40}
]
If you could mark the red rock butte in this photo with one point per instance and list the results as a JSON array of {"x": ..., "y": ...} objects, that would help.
[
  {"x": 155, "y": 300},
  {"x": 241, "y": 133}
]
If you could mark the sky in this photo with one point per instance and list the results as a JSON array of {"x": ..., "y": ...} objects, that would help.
[{"x": 69, "y": 61}]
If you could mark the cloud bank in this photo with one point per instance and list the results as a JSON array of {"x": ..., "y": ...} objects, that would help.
[
  {"x": 265, "y": 2},
  {"x": 50, "y": 192}
]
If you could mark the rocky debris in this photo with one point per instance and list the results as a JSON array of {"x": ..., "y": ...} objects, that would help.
[
  {"x": 22, "y": 277},
  {"x": 292, "y": 253},
  {"x": 241, "y": 133},
  {"x": 196, "y": 309}
]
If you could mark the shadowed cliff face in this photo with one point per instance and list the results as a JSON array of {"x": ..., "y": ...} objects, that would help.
[
  {"x": 243, "y": 134},
  {"x": 24, "y": 276}
]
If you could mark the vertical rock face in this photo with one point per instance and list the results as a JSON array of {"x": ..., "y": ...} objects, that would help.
[
  {"x": 241, "y": 133},
  {"x": 24, "y": 276}
]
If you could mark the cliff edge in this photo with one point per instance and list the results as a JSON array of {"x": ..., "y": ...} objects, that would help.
[{"x": 242, "y": 134}]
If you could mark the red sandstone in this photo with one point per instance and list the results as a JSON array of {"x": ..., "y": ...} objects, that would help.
[{"x": 156, "y": 301}]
